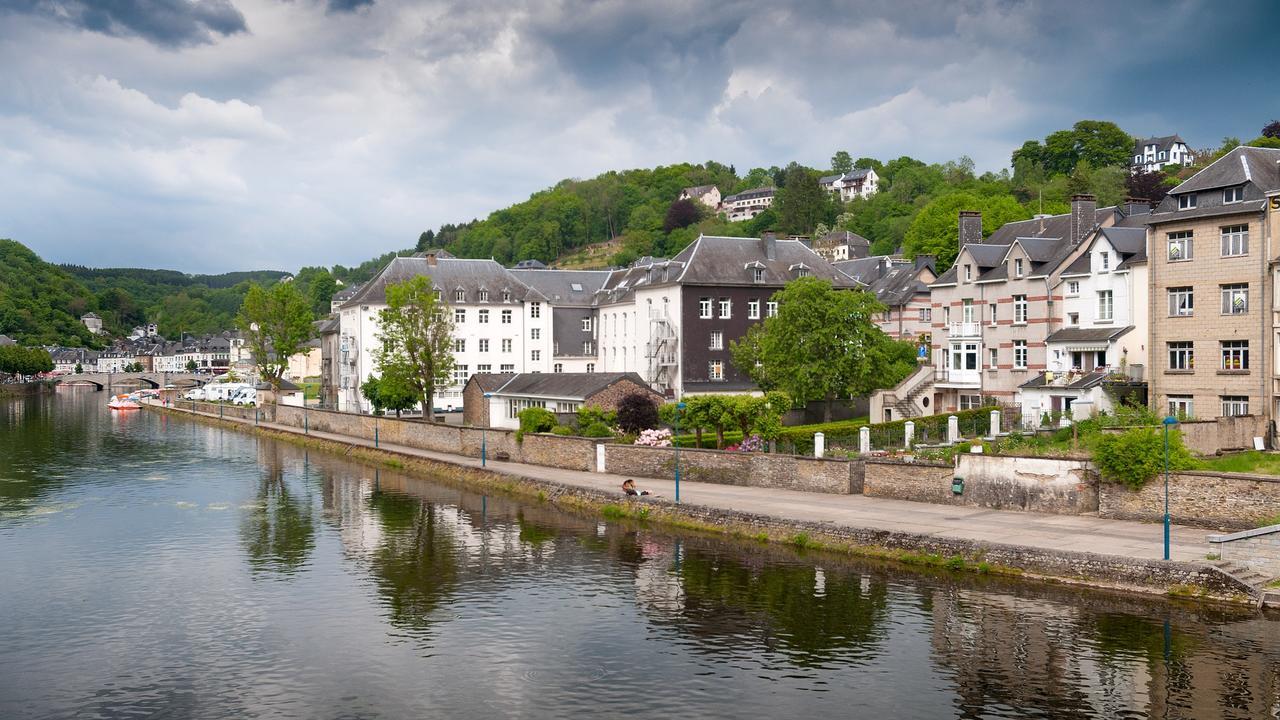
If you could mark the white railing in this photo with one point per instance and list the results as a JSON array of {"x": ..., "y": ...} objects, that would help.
[{"x": 965, "y": 329}]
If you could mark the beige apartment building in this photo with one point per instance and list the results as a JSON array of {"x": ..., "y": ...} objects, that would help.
[{"x": 1214, "y": 319}]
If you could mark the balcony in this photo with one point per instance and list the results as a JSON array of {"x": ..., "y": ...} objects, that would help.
[
  {"x": 964, "y": 330},
  {"x": 950, "y": 377}
]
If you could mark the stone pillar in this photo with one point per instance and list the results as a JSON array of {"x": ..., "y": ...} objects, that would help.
[
  {"x": 819, "y": 444},
  {"x": 995, "y": 423},
  {"x": 953, "y": 430},
  {"x": 908, "y": 434},
  {"x": 864, "y": 439}
]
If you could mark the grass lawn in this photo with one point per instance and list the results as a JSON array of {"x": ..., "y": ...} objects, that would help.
[
  {"x": 310, "y": 390},
  {"x": 1246, "y": 462}
]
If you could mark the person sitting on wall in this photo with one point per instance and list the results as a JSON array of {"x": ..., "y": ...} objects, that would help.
[{"x": 629, "y": 487}]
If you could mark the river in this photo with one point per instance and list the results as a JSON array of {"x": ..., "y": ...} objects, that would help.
[{"x": 152, "y": 566}]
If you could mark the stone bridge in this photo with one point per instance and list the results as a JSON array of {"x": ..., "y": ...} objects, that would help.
[{"x": 108, "y": 381}]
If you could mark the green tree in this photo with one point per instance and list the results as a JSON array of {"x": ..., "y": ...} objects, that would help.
[
  {"x": 18, "y": 360},
  {"x": 79, "y": 368},
  {"x": 416, "y": 336},
  {"x": 841, "y": 162},
  {"x": 425, "y": 240},
  {"x": 389, "y": 392},
  {"x": 822, "y": 344},
  {"x": 936, "y": 230},
  {"x": 802, "y": 203},
  {"x": 276, "y": 322},
  {"x": 191, "y": 366}
]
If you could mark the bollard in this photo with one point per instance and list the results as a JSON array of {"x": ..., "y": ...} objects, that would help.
[
  {"x": 819, "y": 444},
  {"x": 864, "y": 440},
  {"x": 953, "y": 430},
  {"x": 908, "y": 434},
  {"x": 995, "y": 424}
]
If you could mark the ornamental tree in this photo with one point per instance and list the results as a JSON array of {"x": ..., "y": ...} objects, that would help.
[
  {"x": 276, "y": 322},
  {"x": 416, "y": 332},
  {"x": 636, "y": 413}
]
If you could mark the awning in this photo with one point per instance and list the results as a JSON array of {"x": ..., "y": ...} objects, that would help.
[{"x": 1086, "y": 347}]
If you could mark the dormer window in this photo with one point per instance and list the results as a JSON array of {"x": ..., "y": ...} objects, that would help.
[
  {"x": 1187, "y": 202},
  {"x": 1137, "y": 159},
  {"x": 459, "y": 295},
  {"x": 1233, "y": 195},
  {"x": 1104, "y": 261},
  {"x": 1017, "y": 267},
  {"x": 483, "y": 296},
  {"x": 1161, "y": 156},
  {"x": 757, "y": 275},
  {"x": 506, "y": 296},
  {"x": 800, "y": 269},
  {"x": 968, "y": 273}
]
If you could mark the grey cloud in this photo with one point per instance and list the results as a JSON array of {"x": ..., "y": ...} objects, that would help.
[
  {"x": 170, "y": 23},
  {"x": 341, "y": 6}
]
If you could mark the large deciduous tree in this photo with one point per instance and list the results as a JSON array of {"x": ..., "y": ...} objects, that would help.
[
  {"x": 822, "y": 344},
  {"x": 416, "y": 336},
  {"x": 801, "y": 204},
  {"x": 936, "y": 229},
  {"x": 276, "y": 322},
  {"x": 841, "y": 162},
  {"x": 680, "y": 214}
]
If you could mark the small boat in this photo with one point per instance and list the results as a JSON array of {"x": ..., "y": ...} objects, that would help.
[{"x": 124, "y": 402}]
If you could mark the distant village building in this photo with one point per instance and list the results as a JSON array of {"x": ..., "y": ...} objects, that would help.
[
  {"x": 93, "y": 322},
  {"x": 857, "y": 183},
  {"x": 1157, "y": 153},
  {"x": 840, "y": 245},
  {"x": 708, "y": 195},
  {"x": 748, "y": 204}
]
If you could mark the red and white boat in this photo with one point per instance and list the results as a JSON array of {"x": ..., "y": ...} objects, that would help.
[{"x": 124, "y": 402}]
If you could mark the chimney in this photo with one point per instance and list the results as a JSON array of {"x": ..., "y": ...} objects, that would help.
[
  {"x": 1083, "y": 214},
  {"x": 970, "y": 227},
  {"x": 431, "y": 257},
  {"x": 1136, "y": 206},
  {"x": 769, "y": 242},
  {"x": 929, "y": 261}
]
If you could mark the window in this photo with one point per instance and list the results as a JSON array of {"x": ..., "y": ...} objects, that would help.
[
  {"x": 506, "y": 296},
  {"x": 586, "y": 324},
  {"x": 535, "y": 355},
  {"x": 1182, "y": 355},
  {"x": 588, "y": 348},
  {"x": 482, "y": 317},
  {"x": 926, "y": 314},
  {"x": 1235, "y": 405},
  {"x": 483, "y": 296},
  {"x": 1105, "y": 306},
  {"x": 460, "y": 374},
  {"x": 1187, "y": 202},
  {"x": 970, "y": 402},
  {"x": 1137, "y": 159},
  {"x": 506, "y": 344},
  {"x": 484, "y": 368},
  {"x": 535, "y": 333},
  {"x": 1235, "y": 240},
  {"x": 1181, "y": 406},
  {"x": 757, "y": 276},
  {"x": 1233, "y": 195},
  {"x": 753, "y": 309},
  {"x": 1181, "y": 302},
  {"x": 1235, "y": 354},
  {"x": 507, "y": 368},
  {"x": 717, "y": 341},
  {"x": 1073, "y": 287},
  {"x": 715, "y": 370},
  {"x": 459, "y": 295},
  {"x": 704, "y": 308},
  {"x": 1104, "y": 261},
  {"x": 459, "y": 316},
  {"x": 484, "y": 345},
  {"x": 771, "y": 309},
  {"x": 1020, "y": 354},
  {"x": 459, "y": 345},
  {"x": 557, "y": 368},
  {"x": 726, "y": 307},
  {"x": 968, "y": 272},
  {"x": 1180, "y": 245},
  {"x": 1235, "y": 299},
  {"x": 535, "y": 309},
  {"x": 966, "y": 312},
  {"x": 506, "y": 317},
  {"x": 591, "y": 367},
  {"x": 1020, "y": 309},
  {"x": 802, "y": 271},
  {"x": 1073, "y": 318},
  {"x": 1017, "y": 267},
  {"x": 994, "y": 359},
  {"x": 995, "y": 310}
]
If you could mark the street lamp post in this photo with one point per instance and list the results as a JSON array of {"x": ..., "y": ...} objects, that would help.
[
  {"x": 484, "y": 433},
  {"x": 675, "y": 440},
  {"x": 1167, "y": 422}
]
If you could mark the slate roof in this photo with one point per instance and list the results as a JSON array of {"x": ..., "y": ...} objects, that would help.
[
  {"x": 327, "y": 326},
  {"x": 865, "y": 270},
  {"x": 894, "y": 283},
  {"x": 347, "y": 293},
  {"x": 530, "y": 264},
  {"x": 715, "y": 260},
  {"x": 488, "y": 382},
  {"x": 564, "y": 288},
  {"x": 1243, "y": 164},
  {"x": 1084, "y": 334},
  {"x": 447, "y": 274},
  {"x": 698, "y": 190},
  {"x": 564, "y": 385},
  {"x": 1162, "y": 143},
  {"x": 6, "y": 340},
  {"x": 750, "y": 194},
  {"x": 842, "y": 237}
]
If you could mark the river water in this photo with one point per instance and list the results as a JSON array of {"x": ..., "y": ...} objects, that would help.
[{"x": 156, "y": 567}]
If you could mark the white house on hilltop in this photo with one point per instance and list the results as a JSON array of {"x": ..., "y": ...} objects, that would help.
[{"x": 1157, "y": 153}]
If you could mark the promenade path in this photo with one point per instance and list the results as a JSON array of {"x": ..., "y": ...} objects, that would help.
[{"x": 1078, "y": 533}]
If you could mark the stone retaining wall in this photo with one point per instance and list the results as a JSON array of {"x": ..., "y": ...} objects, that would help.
[
  {"x": 786, "y": 472},
  {"x": 1226, "y": 500},
  {"x": 1046, "y": 485},
  {"x": 1255, "y": 549}
]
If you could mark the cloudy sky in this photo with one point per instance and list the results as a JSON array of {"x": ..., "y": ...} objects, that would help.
[{"x": 211, "y": 135}]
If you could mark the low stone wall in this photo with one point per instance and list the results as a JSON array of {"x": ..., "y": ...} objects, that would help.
[
  {"x": 559, "y": 451},
  {"x": 786, "y": 472},
  {"x": 1257, "y": 550},
  {"x": 1045, "y": 485},
  {"x": 918, "y": 482},
  {"x": 1225, "y": 500}
]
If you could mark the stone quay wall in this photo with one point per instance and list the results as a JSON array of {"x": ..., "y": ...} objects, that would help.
[
  {"x": 1226, "y": 500},
  {"x": 914, "y": 481},
  {"x": 1256, "y": 549},
  {"x": 785, "y": 472}
]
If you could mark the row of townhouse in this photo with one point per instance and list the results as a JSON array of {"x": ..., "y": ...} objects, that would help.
[
  {"x": 211, "y": 353},
  {"x": 669, "y": 321}
]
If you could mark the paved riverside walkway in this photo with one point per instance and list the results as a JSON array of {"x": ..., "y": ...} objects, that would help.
[{"x": 1079, "y": 533}]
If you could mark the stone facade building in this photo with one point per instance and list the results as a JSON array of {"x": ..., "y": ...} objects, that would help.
[{"x": 560, "y": 393}]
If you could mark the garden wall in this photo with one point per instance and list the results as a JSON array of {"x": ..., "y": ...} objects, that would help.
[
  {"x": 1045, "y": 485},
  {"x": 1206, "y": 437},
  {"x": 786, "y": 472},
  {"x": 1226, "y": 500}
]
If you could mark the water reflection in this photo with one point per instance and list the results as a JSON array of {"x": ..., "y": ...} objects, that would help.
[{"x": 277, "y": 529}]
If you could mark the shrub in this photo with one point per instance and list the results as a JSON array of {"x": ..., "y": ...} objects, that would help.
[
  {"x": 562, "y": 430},
  {"x": 597, "y": 430},
  {"x": 752, "y": 443},
  {"x": 654, "y": 438},
  {"x": 535, "y": 420},
  {"x": 1136, "y": 456},
  {"x": 592, "y": 414},
  {"x": 636, "y": 413}
]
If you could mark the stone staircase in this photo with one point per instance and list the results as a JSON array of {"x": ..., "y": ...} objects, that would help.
[
  {"x": 902, "y": 398},
  {"x": 1254, "y": 580}
]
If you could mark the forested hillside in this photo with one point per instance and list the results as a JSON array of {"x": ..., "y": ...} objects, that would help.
[{"x": 40, "y": 304}]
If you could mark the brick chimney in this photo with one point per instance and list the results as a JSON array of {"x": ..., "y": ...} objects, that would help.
[
  {"x": 970, "y": 227},
  {"x": 1136, "y": 206},
  {"x": 769, "y": 243},
  {"x": 431, "y": 258},
  {"x": 1083, "y": 212}
]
